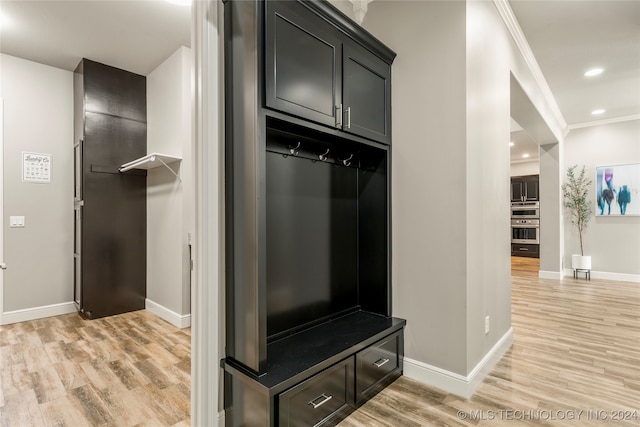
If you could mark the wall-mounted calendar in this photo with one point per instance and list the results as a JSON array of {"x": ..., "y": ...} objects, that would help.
[{"x": 36, "y": 167}]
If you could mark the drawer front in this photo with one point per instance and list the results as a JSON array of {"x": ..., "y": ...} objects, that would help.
[
  {"x": 376, "y": 362},
  {"x": 318, "y": 399}
]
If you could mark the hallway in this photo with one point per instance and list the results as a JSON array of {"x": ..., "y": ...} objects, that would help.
[{"x": 574, "y": 361}]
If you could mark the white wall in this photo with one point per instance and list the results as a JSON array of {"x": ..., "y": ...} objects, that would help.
[
  {"x": 525, "y": 168},
  {"x": 451, "y": 84},
  {"x": 488, "y": 243},
  {"x": 168, "y": 198},
  {"x": 38, "y": 108},
  {"x": 428, "y": 175},
  {"x": 613, "y": 242}
]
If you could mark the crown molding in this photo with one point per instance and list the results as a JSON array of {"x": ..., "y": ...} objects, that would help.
[
  {"x": 510, "y": 21},
  {"x": 604, "y": 122}
]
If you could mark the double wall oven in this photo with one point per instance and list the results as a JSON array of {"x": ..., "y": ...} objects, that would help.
[{"x": 525, "y": 228}]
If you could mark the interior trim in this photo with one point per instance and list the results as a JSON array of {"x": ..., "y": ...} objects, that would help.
[
  {"x": 604, "y": 122},
  {"x": 554, "y": 275},
  {"x": 605, "y": 275},
  {"x": 34, "y": 313},
  {"x": 178, "y": 320},
  {"x": 510, "y": 21},
  {"x": 451, "y": 382}
]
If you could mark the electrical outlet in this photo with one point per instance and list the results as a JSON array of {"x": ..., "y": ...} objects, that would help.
[{"x": 486, "y": 325}]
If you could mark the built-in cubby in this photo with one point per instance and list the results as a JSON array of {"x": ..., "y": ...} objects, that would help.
[{"x": 309, "y": 331}]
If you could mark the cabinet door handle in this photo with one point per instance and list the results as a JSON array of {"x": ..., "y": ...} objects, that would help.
[
  {"x": 524, "y": 249},
  {"x": 323, "y": 398},
  {"x": 382, "y": 361},
  {"x": 348, "y": 126},
  {"x": 339, "y": 115}
]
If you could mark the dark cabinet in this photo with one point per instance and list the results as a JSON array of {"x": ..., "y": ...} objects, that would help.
[
  {"x": 110, "y": 207},
  {"x": 525, "y": 250},
  {"x": 320, "y": 399},
  {"x": 517, "y": 190},
  {"x": 303, "y": 64},
  {"x": 367, "y": 94},
  {"x": 308, "y": 283},
  {"x": 525, "y": 188},
  {"x": 376, "y": 364},
  {"x": 316, "y": 72}
]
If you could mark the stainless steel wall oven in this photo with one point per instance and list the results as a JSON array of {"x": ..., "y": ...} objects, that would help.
[
  {"x": 525, "y": 210},
  {"x": 525, "y": 231}
]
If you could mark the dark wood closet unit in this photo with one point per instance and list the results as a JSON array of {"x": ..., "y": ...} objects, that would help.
[
  {"x": 309, "y": 332},
  {"x": 110, "y": 129}
]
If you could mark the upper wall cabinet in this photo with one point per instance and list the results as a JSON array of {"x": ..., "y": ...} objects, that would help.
[
  {"x": 303, "y": 64},
  {"x": 315, "y": 71},
  {"x": 366, "y": 94},
  {"x": 525, "y": 188}
]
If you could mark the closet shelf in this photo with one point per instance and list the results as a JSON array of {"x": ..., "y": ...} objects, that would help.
[{"x": 151, "y": 161}]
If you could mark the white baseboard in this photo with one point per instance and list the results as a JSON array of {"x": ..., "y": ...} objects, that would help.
[
  {"x": 460, "y": 385},
  {"x": 618, "y": 277},
  {"x": 34, "y": 313},
  {"x": 178, "y": 320},
  {"x": 554, "y": 275}
]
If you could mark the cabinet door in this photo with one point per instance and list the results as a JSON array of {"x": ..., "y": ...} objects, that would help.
[
  {"x": 531, "y": 186},
  {"x": 303, "y": 63},
  {"x": 366, "y": 94},
  {"x": 517, "y": 190}
]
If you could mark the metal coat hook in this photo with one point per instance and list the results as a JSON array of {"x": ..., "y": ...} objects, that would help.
[
  {"x": 294, "y": 150},
  {"x": 324, "y": 156},
  {"x": 347, "y": 161}
]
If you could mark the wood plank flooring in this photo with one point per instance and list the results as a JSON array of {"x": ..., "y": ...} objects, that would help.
[
  {"x": 127, "y": 370},
  {"x": 576, "y": 348},
  {"x": 575, "y": 360},
  {"x": 525, "y": 266}
]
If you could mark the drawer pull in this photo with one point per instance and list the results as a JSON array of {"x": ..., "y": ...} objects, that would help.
[
  {"x": 323, "y": 399},
  {"x": 380, "y": 362}
]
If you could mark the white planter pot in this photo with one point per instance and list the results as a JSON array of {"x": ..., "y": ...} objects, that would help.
[{"x": 581, "y": 262}]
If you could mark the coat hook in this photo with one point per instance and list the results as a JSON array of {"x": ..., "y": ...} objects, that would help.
[
  {"x": 294, "y": 150},
  {"x": 324, "y": 156},
  {"x": 347, "y": 161}
]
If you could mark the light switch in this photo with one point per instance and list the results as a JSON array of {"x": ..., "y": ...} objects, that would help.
[{"x": 16, "y": 221}]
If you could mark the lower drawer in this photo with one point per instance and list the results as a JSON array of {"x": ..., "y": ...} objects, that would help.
[
  {"x": 377, "y": 363},
  {"x": 320, "y": 399},
  {"x": 525, "y": 250}
]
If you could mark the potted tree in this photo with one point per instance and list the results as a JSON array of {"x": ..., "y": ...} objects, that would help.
[{"x": 575, "y": 192}]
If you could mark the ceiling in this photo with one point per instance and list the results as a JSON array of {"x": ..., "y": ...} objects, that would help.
[
  {"x": 135, "y": 35},
  {"x": 570, "y": 37},
  {"x": 566, "y": 37}
]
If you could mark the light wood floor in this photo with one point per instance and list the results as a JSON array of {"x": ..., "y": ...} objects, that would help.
[
  {"x": 576, "y": 348},
  {"x": 127, "y": 370},
  {"x": 525, "y": 266}
]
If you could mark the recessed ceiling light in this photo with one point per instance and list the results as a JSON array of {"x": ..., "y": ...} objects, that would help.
[
  {"x": 525, "y": 156},
  {"x": 511, "y": 144},
  {"x": 598, "y": 111},
  {"x": 593, "y": 72},
  {"x": 181, "y": 2}
]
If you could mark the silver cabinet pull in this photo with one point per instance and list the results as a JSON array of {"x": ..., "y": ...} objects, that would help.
[
  {"x": 378, "y": 363},
  {"x": 323, "y": 399},
  {"x": 339, "y": 115},
  {"x": 348, "y": 126}
]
